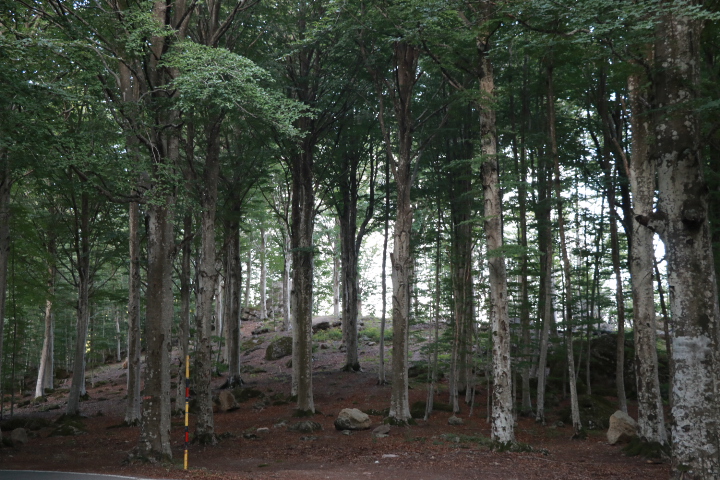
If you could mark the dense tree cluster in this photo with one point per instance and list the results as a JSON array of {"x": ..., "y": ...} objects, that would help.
[{"x": 165, "y": 166}]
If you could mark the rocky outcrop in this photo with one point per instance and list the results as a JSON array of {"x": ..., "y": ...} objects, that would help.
[
  {"x": 279, "y": 348},
  {"x": 622, "y": 428},
  {"x": 352, "y": 419}
]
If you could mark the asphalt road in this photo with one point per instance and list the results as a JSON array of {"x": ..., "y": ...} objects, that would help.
[{"x": 37, "y": 475}]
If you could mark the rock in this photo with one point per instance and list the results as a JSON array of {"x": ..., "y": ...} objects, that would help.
[
  {"x": 342, "y": 348},
  {"x": 260, "y": 331},
  {"x": 227, "y": 401},
  {"x": 307, "y": 426},
  {"x": 320, "y": 326},
  {"x": 279, "y": 348},
  {"x": 324, "y": 346},
  {"x": 19, "y": 437},
  {"x": 381, "y": 431},
  {"x": 66, "y": 431},
  {"x": 352, "y": 419},
  {"x": 622, "y": 428},
  {"x": 455, "y": 420},
  {"x": 263, "y": 430},
  {"x": 370, "y": 344},
  {"x": 336, "y": 324}
]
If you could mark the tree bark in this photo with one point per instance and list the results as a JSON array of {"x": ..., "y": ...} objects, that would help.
[
  {"x": 303, "y": 209},
  {"x": 133, "y": 406},
  {"x": 263, "y": 275},
  {"x": 82, "y": 245},
  {"x": 233, "y": 283},
  {"x": 502, "y": 429},
  {"x": 406, "y": 61},
  {"x": 651, "y": 423},
  {"x": 46, "y": 355},
  {"x": 682, "y": 221},
  {"x": 207, "y": 278},
  {"x": 543, "y": 213},
  {"x": 5, "y": 188}
]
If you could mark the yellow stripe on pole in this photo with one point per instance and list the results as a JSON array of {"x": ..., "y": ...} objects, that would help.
[{"x": 187, "y": 407}]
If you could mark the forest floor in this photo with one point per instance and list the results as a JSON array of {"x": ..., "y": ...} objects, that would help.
[{"x": 431, "y": 449}]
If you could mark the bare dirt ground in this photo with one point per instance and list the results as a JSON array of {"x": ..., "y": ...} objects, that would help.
[{"x": 429, "y": 450}]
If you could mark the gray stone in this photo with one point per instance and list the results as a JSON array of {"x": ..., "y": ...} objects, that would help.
[
  {"x": 382, "y": 431},
  {"x": 307, "y": 426},
  {"x": 279, "y": 348},
  {"x": 352, "y": 419},
  {"x": 455, "y": 420},
  {"x": 19, "y": 437},
  {"x": 226, "y": 400},
  {"x": 263, "y": 430},
  {"x": 622, "y": 428}
]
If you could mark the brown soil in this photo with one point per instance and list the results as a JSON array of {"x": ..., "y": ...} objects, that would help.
[{"x": 428, "y": 450}]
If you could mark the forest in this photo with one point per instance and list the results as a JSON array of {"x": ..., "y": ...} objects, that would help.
[{"x": 518, "y": 181}]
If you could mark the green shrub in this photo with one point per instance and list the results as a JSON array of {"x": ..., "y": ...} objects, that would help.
[
  {"x": 373, "y": 333},
  {"x": 332, "y": 334}
]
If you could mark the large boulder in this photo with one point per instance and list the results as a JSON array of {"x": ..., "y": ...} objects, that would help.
[
  {"x": 622, "y": 428},
  {"x": 19, "y": 437},
  {"x": 279, "y": 348},
  {"x": 226, "y": 401},
  {"x": 352, "y": 419}
]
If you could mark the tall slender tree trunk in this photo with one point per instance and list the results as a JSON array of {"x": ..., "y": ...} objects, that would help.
[
  {"x": 614, "y": 245},
  {"x": 682, "y": 221},
  {"x": 651, "y": 423},
  {"x": 303, "y": 210},
  {"x": 574, "y": 407},
  {"x": 502, "y": 429},
  {"x": 77, "y": 389},
  {"x": 545, "y": 302},
  {"x": 207, "y": 279},
  {"x": 406, "y": 61},
  {"x": 263, "y": 275},
  {"x": 287, "y": 281},
  {"x": 383, "y": 280},
  {"x": 46, "y": 355},
  {"x": 133, "y": 405},
  {"x": 248, "y": 269},
  {"x": 336, "y": 272},
  {"x": 232, "y": 299},
  {"x": 5, "y": 188}
]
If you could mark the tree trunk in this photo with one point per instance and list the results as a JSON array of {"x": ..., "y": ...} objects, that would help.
[
  {"x": 248, "y": 269},
  {"x": 5, "y": 188},
  {"x": 502, "y": 429},
  {"x": 348, "y": 227},
  {"x": 682, "y": 221},
  {"x": 207, "y": 278},
  {"x": 336, "y": 272},
  {"x": 651, "y": 423},
  {"x": 132, "y": 408},
  {"x": 233, "y": 297},
  {"x": 574, "y": 407},
  {"x": 381, "y": 367},
  {"x": 303, "y": 210},
  {"x": 263, "y": 275},
  {"x": 46, "y": 355},
  {"x": 543, "y": 213},
  {"x": 77, "y": 389},
  {"x": 406, "y": 60},
  {"x": 155, "y": 424},
  {"x": 287, "y": 281}
]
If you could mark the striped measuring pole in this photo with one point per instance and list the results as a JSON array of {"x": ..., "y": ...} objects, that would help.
[{"x": 187, "y": 408}]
